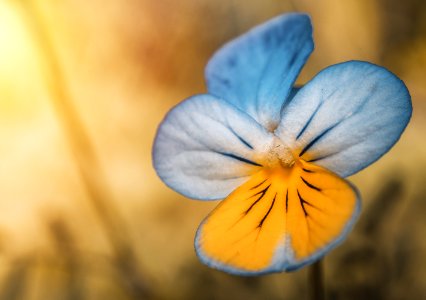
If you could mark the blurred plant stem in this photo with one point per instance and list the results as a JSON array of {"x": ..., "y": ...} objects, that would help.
[
  {"x": 92, "y": 175},
  {"x": 315, "y": 281}
]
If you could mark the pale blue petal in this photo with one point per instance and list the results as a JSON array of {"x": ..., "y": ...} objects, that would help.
[
  {"x": 346, "y": 117},
  {"x": 256, "y": 71},
  {"x": 205, "y": 148}
]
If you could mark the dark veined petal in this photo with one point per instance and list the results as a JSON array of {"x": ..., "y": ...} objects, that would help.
[
  {"x": 346, "y": 117},
  {"x": 206, "y": 147},
  {"x": 256, "y": 71},
  {"x": 279, "y": 220}
]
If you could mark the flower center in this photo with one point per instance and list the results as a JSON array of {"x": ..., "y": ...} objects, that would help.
[{"x": 280, "y": 154}]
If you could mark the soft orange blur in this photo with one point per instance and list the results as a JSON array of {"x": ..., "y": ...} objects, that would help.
[{"x": 83, "y": 87}]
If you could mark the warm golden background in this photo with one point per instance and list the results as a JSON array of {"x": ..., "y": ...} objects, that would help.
[{"x": 83, "y": 86}]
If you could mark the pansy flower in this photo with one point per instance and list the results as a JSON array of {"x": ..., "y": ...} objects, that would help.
[{"x": 277, "y": 154}]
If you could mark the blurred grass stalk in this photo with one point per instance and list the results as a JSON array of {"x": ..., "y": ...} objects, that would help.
[
  {"x": 89, "y": 168},
  {"x": 316, "y": 281}
]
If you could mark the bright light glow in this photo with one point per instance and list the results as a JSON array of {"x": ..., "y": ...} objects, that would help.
[{"x": 19, "y": 64}]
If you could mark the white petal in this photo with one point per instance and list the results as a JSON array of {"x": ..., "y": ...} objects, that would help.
[
  {"x": 206, "y": 147},
  {"x": 348, "y": 116}
]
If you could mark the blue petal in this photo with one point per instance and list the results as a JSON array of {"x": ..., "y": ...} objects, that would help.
[
  {"x": 206, "y": 147},
  {"x": 256, "y": 71},
  {"x": 347, "y": 117}
]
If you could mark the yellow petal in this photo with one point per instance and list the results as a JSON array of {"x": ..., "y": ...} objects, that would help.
[{"x": 280, "y": 219}]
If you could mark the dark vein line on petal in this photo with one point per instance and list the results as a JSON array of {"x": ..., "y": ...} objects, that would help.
[
  {"x": 327, "y": 156},
  {"x": 322, "y": 101},
  {"x": 309, "y": 121},
  {"x": 308, "y": 146},
  {"x": 241, "y": 139},
  {"x": 302, "y": 203},
  {"x": 339, "y": 122},
  {"x": 269, "y": 210},
  {"x": 262, "y": 194},
  {"x": 256, "y": 186},
  {"x": 308, "y": 171},
  {"x": 302, "y": 200},
  {"x": 286, "y": 202},
  {"x": 245, "y": 160},
  {"x": 323, "y": 157},
  {"x": 310, "y": 185}
]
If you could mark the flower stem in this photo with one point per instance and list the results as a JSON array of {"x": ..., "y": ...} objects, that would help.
[{"x": 315, "y": 279}]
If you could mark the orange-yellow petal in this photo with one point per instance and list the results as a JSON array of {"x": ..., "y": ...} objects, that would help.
[{"x": 280, "y": 219}]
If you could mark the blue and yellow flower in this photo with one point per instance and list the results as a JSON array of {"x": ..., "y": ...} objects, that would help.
[{"x": 276, "y": 153}]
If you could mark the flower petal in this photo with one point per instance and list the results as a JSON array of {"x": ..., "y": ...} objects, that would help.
[
  {"x": 279, "y": 220},
  {"x": 256, "y": 71},
  {"x": 346, "y": 117},
  {"x": 206, "y": 147}
]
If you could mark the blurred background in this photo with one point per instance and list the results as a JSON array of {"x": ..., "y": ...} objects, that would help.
[{"x": 83, "y": 87}]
